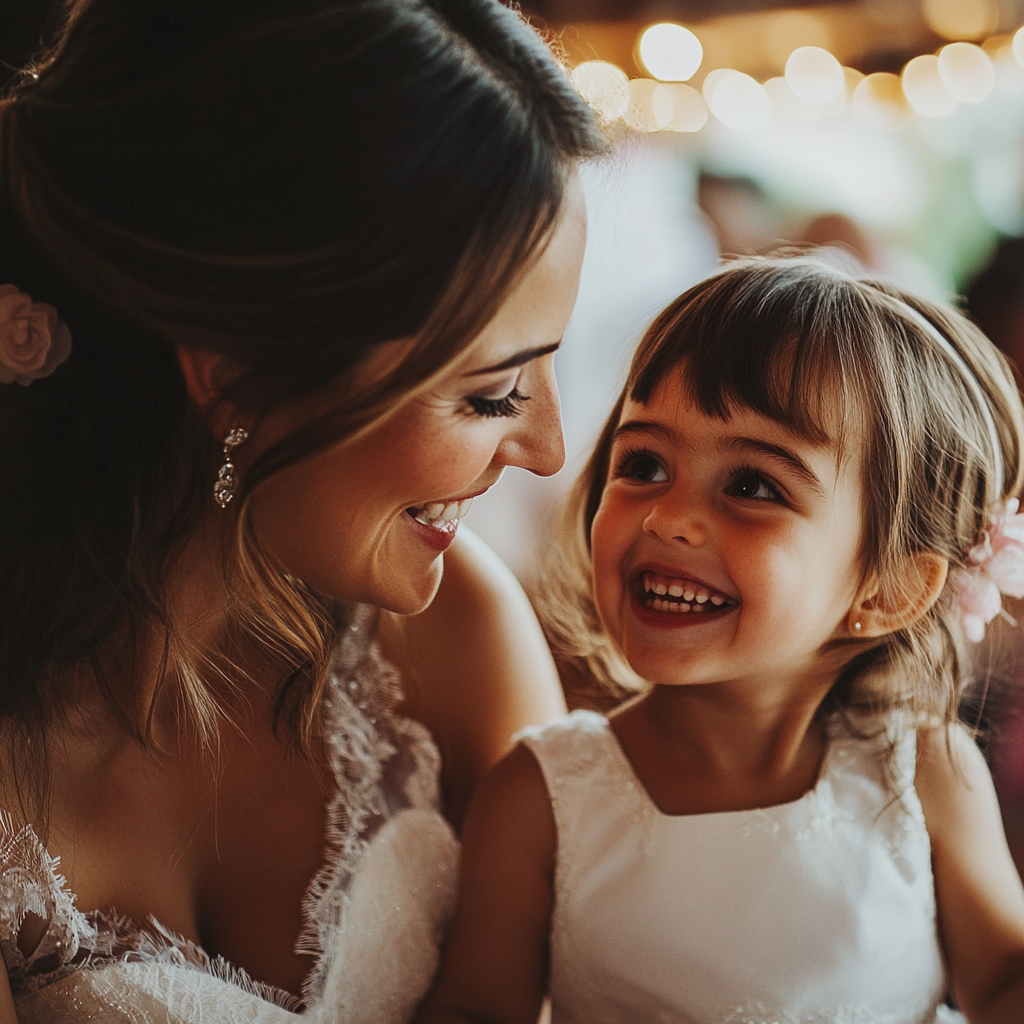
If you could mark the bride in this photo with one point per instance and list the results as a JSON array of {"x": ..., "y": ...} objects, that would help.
[{"x": 281, "y": 282}]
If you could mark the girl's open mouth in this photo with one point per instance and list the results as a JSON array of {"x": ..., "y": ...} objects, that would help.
[{"x": 678, "y": 597}]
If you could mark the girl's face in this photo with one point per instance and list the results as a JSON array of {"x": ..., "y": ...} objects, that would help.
[
  {"x": 724, "y": 550},
  {"x": 345, "y": 522}
]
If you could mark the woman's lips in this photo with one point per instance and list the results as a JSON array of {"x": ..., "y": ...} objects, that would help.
[{"x": 438, "y": 537}]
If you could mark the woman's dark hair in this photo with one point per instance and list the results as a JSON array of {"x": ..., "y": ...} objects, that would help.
[{"x": 289, "y": 183}]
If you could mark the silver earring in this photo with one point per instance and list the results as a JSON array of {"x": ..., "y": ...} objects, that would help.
[
  {"x": 857, "y": 627},
  {"x": 227, "y": 481}
]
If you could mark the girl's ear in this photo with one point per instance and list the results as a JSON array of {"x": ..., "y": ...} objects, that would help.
[{"x": 884, "y": 608}]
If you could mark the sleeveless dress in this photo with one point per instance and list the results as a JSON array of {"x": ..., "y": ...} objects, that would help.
[
  {"x": 819, "y": 911},
  {"x": 374, "y": 914}
]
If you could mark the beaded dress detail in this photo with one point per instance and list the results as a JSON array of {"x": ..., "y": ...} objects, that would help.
[
  {"x": 819, "y": 911},
  {"x": 374, "y": 914}
]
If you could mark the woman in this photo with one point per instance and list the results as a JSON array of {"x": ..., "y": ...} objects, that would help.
[{"x": 280, "y": 286}]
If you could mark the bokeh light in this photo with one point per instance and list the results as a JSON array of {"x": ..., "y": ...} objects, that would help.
[
  {"x": 740, "y": 102},
  {"x": 604, "y": 86},
  {"x": 670, "y": 52},
  {"x": 1018, "y": 46},
  {"x": 967, "y": 72},
  {"x": 814, "y": 75},
  {"x": 787, "y": 30},
  {"x": 961, "y": 19},
  {"x": 924, "y": 89},
  {"x": 640, "y": 114},
  {"x": 679, "y": 108},
  {"x": 711, "y": 81},
  {"x": 879, "y": 102}
]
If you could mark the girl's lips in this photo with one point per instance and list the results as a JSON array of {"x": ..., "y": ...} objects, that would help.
[{"x": 437, "y": 537}]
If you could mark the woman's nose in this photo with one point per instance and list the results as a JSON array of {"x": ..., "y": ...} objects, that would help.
[{"x": 535, "y": 440}]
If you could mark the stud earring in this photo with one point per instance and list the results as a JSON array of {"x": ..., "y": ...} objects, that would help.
[
  {"x": 857, "y": 627},
  {"x": 227, "y": 480}
]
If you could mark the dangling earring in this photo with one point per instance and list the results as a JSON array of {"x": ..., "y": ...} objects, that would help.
[{"x": 227, "y": 482}]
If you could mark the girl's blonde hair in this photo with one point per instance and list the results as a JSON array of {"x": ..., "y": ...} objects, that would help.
[{"x": 840, "y": 360}]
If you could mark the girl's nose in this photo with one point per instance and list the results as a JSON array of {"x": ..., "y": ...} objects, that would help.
[{"x": 675, "y": 518}]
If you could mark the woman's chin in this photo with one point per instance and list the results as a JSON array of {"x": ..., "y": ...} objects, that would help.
[{"x": 415, "y": 597}]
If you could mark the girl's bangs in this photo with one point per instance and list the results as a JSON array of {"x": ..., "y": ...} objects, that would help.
[{"x": 763, "y": 345}]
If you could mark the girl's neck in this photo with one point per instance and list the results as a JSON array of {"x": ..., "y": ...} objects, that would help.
[
  {"x": 732, "y": 731},
  {"x": 705, "y": 749}
]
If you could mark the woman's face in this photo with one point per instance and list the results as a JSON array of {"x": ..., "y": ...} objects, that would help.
[{"x": 368, "y": 520}]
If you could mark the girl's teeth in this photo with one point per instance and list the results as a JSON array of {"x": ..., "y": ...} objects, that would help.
[
  {"x": 433, "y": 510},
  {"x": 664, "y": 596}
]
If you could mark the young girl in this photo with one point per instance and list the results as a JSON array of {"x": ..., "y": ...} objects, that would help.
[{"x": 797, "y": 515}]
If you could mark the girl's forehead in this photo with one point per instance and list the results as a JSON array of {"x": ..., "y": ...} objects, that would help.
[{"x": 824, "y": 414}]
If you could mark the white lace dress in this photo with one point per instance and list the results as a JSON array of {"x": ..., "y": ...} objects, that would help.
[
  {"x": 819, "y": 911},
  {"x": 374, "y": 914}
]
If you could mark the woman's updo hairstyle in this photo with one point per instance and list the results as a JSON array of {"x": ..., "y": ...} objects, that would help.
[{"x": 289, "y": 183}]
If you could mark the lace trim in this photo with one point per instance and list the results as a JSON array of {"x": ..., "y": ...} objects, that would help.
[
  {"x": 367, "y": 745},
  {"x": 381, "y": 763}
]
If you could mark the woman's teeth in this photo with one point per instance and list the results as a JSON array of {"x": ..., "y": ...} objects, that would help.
[
  {"x": 437, "y": 512},
  {"x": 665, "y": 594}
]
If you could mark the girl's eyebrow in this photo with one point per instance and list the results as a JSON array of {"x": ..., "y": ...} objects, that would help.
[
  {"x": 779, "y": 453},
  {"x": 526, "y": 356},
  {"x": 662, "y": 430}
]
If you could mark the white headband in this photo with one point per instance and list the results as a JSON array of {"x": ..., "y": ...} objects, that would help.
[{"x": 972, "y": 382}]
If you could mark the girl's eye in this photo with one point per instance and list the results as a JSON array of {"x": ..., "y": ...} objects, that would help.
[
  {"x": 641, "y": 467},
  {"x": 749, "y": 483},
  {"x": 510, "y": 405}
]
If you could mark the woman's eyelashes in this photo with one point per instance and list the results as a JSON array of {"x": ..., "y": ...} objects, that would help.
[{"x": 510, "y": 405}]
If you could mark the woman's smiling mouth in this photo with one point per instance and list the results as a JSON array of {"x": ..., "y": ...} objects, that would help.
[{"x": 437, "y": 513}]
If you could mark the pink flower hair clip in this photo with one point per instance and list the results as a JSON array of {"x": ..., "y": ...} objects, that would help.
[
  {"x": 996, "y": 567},
  {"x": 34, "y": 341}
]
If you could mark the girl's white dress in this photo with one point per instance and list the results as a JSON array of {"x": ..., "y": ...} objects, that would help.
[
  {"x": 820, "y": 911},
  {"x": 374, "y": 914}
]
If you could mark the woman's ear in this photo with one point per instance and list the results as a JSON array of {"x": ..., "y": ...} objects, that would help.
[
  {"x": 884, "y": 608},
  {"x": 206, "y": 375}
]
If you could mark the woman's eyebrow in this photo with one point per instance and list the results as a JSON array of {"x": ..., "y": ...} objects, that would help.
[
  {"x": 778, "y": 452},
  {"x": 526, "y": 356}
]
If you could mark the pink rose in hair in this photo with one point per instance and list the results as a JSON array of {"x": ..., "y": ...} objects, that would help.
[
  {"x": 33, "y": 340},
  {"x": 997, "y": 568},
  {"x": 979, "y": 602}
]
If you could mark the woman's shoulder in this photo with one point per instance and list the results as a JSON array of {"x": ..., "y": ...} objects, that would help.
[{"x": 475, "y": 665}]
